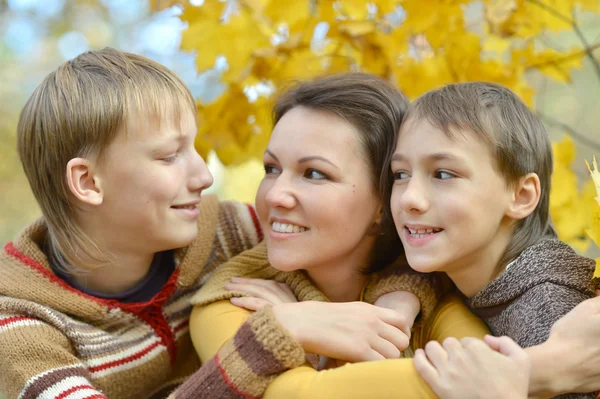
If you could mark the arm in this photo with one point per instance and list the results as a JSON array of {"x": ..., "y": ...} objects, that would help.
[
  {"x": 471, "y": 369},
  {"x": 425, "y": 288},
  {"x": 574, "y": 340},
  {"x": 37, "y": 361},
  {"x": 530, "y": 322},
  {"x": 243, "y": 366},
  {"x": 386, "y": 378}
]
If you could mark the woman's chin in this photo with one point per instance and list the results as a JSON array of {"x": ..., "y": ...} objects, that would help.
[{"x": 285, "y": 263}]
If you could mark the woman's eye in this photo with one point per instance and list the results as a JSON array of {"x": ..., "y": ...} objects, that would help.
[
  {"x": 270, "y": 169},
  {"x": 401, "y": 175},
  {"x": 443, "y": 175},
  {"x": 314, "y": 174}
]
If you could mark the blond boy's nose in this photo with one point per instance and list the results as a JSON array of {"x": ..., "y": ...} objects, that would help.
[{"x": 200, "y": 178}]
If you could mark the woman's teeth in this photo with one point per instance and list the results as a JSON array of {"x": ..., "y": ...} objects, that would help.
[
  {"x": 422, "y": 232},
  {"x": 287, "y": 228},
  {"x": 184, "y": 206}
]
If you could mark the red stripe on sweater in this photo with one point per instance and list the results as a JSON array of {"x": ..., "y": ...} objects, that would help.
[
  {"x": 76, "y": 388},
  {"x": 96, "y": 396},
  {"x": 14, "y": 319},
  {"x": 255, "y": 221},
  {"x": 10, "y": 249},
  {"x": 229, "y": 382},
  {"x": 181, "y": 326},
  {"x": 140, "y": 309},
  {"x": 125, "y": 360}
]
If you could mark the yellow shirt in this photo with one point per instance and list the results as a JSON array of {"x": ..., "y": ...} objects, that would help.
[{"x": 212, "y": 325}]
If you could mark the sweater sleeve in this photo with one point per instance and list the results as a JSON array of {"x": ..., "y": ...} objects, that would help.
[
  {"x": 394, "y": 378},
  {"x": 241, "y": 367},
  {"x": 530, "y": 317},
  {"x": 426, "y": 287},
  {"x": 37, "y": 361}
]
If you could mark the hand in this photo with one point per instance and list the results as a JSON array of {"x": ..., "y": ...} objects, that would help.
[
  {"x": 403, "y": 302},
  {"x": 350, "y": 331},
  {"x": 570, "y": 359},
  {"x": 470, "y": 369},
  {"x": 262, "y": 292}
]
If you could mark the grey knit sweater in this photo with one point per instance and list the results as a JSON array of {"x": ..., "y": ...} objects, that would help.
[{"x": 545, "y": 282}]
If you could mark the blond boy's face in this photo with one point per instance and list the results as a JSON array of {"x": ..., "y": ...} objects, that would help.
[
  {"x": 448, "y": 202},
  {"x": 152, "y": 179}
]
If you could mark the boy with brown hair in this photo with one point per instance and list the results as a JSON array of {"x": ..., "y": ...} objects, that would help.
[{"x": 472, "y": 170}]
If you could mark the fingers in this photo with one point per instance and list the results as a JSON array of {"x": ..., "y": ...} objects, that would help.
[
  {"x": 394, "y": 318},
  {"x": 436, "y": 354},
  {"x": 506, "y": 346},
  {"x": 255, "y": 291},
  {"x": 386, "y": 346},
  {"x": 395, "y": 336},
  {"x": 269, "y": 290},
  {"x": 250, "y": 303},
  {"x": 425, "y": 369}
]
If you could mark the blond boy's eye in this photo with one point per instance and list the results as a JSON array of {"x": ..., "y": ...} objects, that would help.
[{"x": 170, "y": 159}]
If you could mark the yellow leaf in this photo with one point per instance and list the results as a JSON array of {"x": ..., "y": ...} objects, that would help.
[
  {"x": 588, "y": 5},
  {"x": 357, "y": 28},
  {"x": 594, "y": 230},
  {"x": 564, "y": 151},
  {"x": 292, "y": 13},
  {"x": 595, "y": 177}
]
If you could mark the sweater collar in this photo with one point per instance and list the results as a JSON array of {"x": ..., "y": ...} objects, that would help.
[{"x": 548, "y": 261}]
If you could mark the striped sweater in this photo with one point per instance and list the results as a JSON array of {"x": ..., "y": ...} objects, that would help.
[{"x": 57, "y": 342}]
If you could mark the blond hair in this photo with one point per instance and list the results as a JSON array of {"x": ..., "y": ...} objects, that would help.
[
  {"x": 77, "y": 111},
  {"x": 517, "y": 139}
]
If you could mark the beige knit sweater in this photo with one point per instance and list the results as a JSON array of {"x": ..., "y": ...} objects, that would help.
[{"x": 57, "y": 342}]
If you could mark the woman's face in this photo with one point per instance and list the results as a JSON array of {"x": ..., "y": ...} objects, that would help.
[{"x": 316, "y": 203}]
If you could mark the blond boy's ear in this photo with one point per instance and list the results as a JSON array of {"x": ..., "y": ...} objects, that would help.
[
  {"x": 83, "y": 183},
  {"x": 526, "y": 197}
]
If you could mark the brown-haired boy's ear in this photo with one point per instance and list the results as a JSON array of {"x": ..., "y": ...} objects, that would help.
[
  {"x": 82, "y": 181},
  {"x": 526, "y": 197}
]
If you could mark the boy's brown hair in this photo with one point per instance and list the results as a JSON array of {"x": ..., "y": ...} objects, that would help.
[
  {"x": 375, "y": 108},
  {"x": 515, "y": 136},
  {"x": 77, "y": 111}
]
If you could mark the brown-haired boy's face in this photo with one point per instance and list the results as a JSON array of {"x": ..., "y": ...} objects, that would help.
[
  {"x": 448, "y": 202},
  {"x": 152, "y": 178}
]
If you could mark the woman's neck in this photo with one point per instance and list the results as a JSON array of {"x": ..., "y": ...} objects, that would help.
[{"x": 339, "y": 284}]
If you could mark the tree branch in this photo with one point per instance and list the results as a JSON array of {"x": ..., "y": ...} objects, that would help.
[
  {"x": 576, "y": 135},
  {"x": 571, "y": 21}
]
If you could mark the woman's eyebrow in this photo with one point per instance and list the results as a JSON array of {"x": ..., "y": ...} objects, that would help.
[{"x": 317, "y": 158}]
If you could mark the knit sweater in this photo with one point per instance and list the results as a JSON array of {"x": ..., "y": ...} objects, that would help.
[
  {"x": 58, "y": 342},
  {"x": 543, "y": 284},
  {"x": 254, "y": 264}
]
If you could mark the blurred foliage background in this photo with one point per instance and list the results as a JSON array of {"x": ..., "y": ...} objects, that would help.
[{"x": 236, "y": 54}]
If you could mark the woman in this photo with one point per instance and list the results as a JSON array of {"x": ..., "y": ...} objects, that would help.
[{"x": 323, "y": 187}]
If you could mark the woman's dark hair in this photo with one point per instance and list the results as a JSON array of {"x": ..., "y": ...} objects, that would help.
[{"x": 376, "y": 109}]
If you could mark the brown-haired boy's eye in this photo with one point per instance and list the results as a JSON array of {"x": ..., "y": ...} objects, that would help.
[
  {"x": 444, "y": 175},
  {"x": 401, "y": 175}
]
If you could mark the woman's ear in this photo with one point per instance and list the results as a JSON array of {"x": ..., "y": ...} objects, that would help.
[
  {"x": 526, "y": 196},
  {"x": 376, "y": 226},
  {"x": 82, "y": 182}
]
